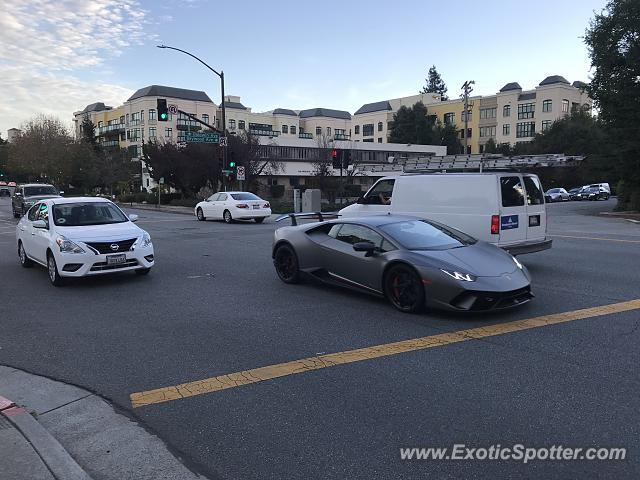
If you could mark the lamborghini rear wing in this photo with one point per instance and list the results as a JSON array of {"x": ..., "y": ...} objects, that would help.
[{"x": 321, "y": 216}]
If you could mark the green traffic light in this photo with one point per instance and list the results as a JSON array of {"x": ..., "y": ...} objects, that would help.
[
  {"x": 232, "y": 164},
  {"x": 163, "y": 116}
]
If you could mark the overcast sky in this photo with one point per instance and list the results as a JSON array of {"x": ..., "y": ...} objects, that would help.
[{"x": 58, "y": 56}]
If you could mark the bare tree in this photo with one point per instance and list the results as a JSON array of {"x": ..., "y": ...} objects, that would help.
[{"x": 323, "y": 162}]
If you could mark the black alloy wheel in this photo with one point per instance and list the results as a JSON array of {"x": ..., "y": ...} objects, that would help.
[
  {"x": 404, "y": 289},
  {"x": 286, "y": 262}
]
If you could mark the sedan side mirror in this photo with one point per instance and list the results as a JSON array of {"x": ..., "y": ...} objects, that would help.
[
  {"x": 61, "y": 192},
  {"x": 18, "y": 194},
  {"x": 40, "y": 224},
  {"x": 367, "y": 247},
  {"x": 133, "y": 217}
]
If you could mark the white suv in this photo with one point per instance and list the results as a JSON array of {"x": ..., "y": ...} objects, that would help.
[{"x": 75, "y": 237}]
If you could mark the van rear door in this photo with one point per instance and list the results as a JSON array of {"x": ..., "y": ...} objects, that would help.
[
  {"x": 513, "y": 211},
  {"x": 536, "y": 210}
]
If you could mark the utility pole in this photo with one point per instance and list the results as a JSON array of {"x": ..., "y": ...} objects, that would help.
[{"x": 466, "y": 90}]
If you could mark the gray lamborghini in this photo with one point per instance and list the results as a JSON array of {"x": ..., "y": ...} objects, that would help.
[{"x": 412, "y": 262}]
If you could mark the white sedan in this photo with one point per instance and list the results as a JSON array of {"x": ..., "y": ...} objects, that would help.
[
  {"x": 230, "y": 206},
  {"x": 75, "y": 237}
]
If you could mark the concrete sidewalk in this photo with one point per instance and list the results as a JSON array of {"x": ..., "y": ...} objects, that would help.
[{"x": 51, "y": 430}]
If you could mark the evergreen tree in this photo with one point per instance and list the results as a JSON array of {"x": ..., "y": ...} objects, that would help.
[{"x": 435, "y": 84}]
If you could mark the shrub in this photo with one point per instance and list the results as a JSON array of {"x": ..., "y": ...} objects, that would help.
[{"x": 277, "y": 191}]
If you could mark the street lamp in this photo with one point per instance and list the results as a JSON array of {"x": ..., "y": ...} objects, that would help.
[{"x": 221, "y": 75}]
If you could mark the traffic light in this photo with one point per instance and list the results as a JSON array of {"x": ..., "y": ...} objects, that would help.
[
  {"x": 232, "y": 164},
  {"x": 163, "y": 111},
  {"x": 336, "y": 158}
]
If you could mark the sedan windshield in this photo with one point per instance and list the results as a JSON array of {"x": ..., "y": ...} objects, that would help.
[
  {"x": 245, "y": 196},
  {"x": 82, "y": 214},
  {"x": 426, "y": 235},
  {"x": 39, "y": 190}
]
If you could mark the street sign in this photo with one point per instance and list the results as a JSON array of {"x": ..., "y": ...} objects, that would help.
[
  {"x": 240, "y": 173},
  {"x": 173, "y": 109},
  {"x": 202, "y": 137},
  {"x": 227, "y": 172},
  {"x": 181, "y": 144},
  {"x": 223, "y": 141}
]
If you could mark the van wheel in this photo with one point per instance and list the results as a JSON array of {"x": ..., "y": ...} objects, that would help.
[{"x": 403, "y": 287}]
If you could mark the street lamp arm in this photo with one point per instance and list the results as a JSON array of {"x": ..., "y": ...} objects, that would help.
[{"x": 192, "y": 56}]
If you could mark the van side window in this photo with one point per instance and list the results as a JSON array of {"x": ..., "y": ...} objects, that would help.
[
  {"x": 512, "y": 192},
  {"x": 380, "y": 194},
  {"x": 534, "y": 191}
]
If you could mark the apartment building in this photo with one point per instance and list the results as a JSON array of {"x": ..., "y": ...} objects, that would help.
[{"x": 452, "y": 112}]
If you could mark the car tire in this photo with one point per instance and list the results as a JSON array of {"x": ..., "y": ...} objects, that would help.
[
  {"x": 285, "y": 261},
  {"x": 52, "y": 269},
  {"x": 403, "y": 288},
  {"x": 142, "y": 271},
  {"x": 200, "y": 215},
  {"x": 226, "y": 216},
  {"x": 259, "y": 220},
  {"x": 25, "y": 261}
]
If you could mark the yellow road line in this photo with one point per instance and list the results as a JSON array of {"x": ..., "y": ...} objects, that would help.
[
  {"x": 598, "y": 238},
  {"x": 260, "y": 374}
]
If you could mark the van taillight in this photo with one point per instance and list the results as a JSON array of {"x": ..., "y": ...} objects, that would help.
[{"x": 495, "y": 224}]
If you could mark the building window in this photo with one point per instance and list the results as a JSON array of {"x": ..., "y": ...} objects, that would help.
[
  {"x": 328, "y": 130},
  {"x": 565, "y": 106},
  {"x": 241, "y": 124},
  {"x": 318, "y": 130},
  {"x": 127, "y": 119},
  {"x": 100, "y": 124},
  {"x": 142, "y": 115},
  {"x": 152, "y": 133},
  {"x": 379, "y": 140},
  {"x": 123, "y": 136},
  {"x": 379, "y": 127},
  {"x": 525, "y": 129},
  {"x": 546, "y": 125},
  {"x": 449, "y": 118},
  {"x": 526, "y": 110},
  {"x": 232, "y": 123},
  {"x": 152, "y": 114},
  {"x": 506, "y": 111},
  {"x": 506, "y": 129},
  {"x": 546, "y": 106},
  {"x": 488, "y": 113},
  {"x": 468, "y": 133},
  {"x": 488, "y": 131},
  {"x": 469, "y": 115},
  {"x": 168, "y": 133},
  {"x": 205, "y": 118},
  {"x": 356, "y": 130},
  {"x": 285, "y": 129},
  {"x": 367, "y": 130},
  {"x": 292, "y": 129},
  {"x": 368, "y": 140}
]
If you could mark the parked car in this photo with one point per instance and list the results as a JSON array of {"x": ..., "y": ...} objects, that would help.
[
  {"x": 28, "y": 194},
  {"x": 76, "y": 237},
  {"x": 573, "y": 193},
  {"x": 556, "y": 195},
  {"x": 604, "y": 186},
  {"x": 230, "y": 206},
  {"x": 505, "y": 209},
  {"x": 594, "y": 193},
  {"x": 411, "y": 261}
]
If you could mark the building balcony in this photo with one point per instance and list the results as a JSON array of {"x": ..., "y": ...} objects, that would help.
[
  {"x": 109, "y": 130},
  {"x": 305, "y": 135},
  {"x": 341, "y": 136},
  {"x": 188, "y": 125},
  {"x": 109, "y": 144},
  {"x": 134, "y": 123},
  {"x": 263, "y": 133}
]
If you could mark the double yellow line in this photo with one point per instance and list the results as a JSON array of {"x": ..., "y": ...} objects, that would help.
[{"x": 260, "y": 374}]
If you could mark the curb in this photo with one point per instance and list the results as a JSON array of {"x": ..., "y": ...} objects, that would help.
[
  {"x": 155, "y": 209},
  {"x": 54, "y": 456}
]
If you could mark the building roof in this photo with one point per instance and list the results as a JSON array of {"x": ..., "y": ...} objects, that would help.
[
  {"x": 578, "y": 84},
  {"x": 527, "y": 96},
  {"x": 284, "y": 111},
  {"x": 171, "y": 92},
  {"x": 550, "y": 80},
  {"x": 511, "y": 86},
  {"x": 95, "y": 107},
  {"x": 236, "y": 105},
  {"x": 374, "y": 107},
  {"x": 325, "y": 112}
]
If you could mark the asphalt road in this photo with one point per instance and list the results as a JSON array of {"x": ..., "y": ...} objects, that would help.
[{"x": 213, "y": 305}]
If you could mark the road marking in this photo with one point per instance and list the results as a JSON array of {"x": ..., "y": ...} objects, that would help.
[
  {"x": 260, "y": 374},
  {"x": 561, "y": 232},
  {"x": 599, "y": 238}
]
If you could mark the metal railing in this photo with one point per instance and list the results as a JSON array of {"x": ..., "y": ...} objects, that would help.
[
  {"x": 264, "y": 133},
  {"x": 305, "y": 135}
]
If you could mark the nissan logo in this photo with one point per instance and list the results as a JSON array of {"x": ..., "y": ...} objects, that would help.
[{"x": 114, "y": 247}]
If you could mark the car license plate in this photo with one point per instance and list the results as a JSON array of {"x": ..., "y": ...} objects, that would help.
[
  {"x": 116, "y": 259},
  {"x": 256, "y": 207}
]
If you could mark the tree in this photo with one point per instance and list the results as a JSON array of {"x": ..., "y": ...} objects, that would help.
[
  {"x": 447, "y": 135},
  {"x": 412, "y": 126},
  {"x": 435, "y": 84},
  {"x": 613, "y": 40},
  {"x": 323, "y": 162},
  {"x": 244, "y": 149},
  {"x": 490, "y": 146},
  {"x": 88, "y": 132}
]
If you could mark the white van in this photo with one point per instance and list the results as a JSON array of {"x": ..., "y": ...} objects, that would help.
[{"x": 506, "y": 209}]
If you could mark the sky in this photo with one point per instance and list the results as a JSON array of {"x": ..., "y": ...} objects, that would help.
[{"x": 57, "y": 56}]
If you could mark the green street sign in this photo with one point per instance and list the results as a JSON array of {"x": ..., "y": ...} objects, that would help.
[{"x": 202, "y": 137}]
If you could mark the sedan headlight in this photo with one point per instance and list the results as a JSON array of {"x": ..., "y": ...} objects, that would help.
[
  {"x": 67, "y": 246},
  {"x": 146, "y": 240},
  {"x": 463, "y": 277}
]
